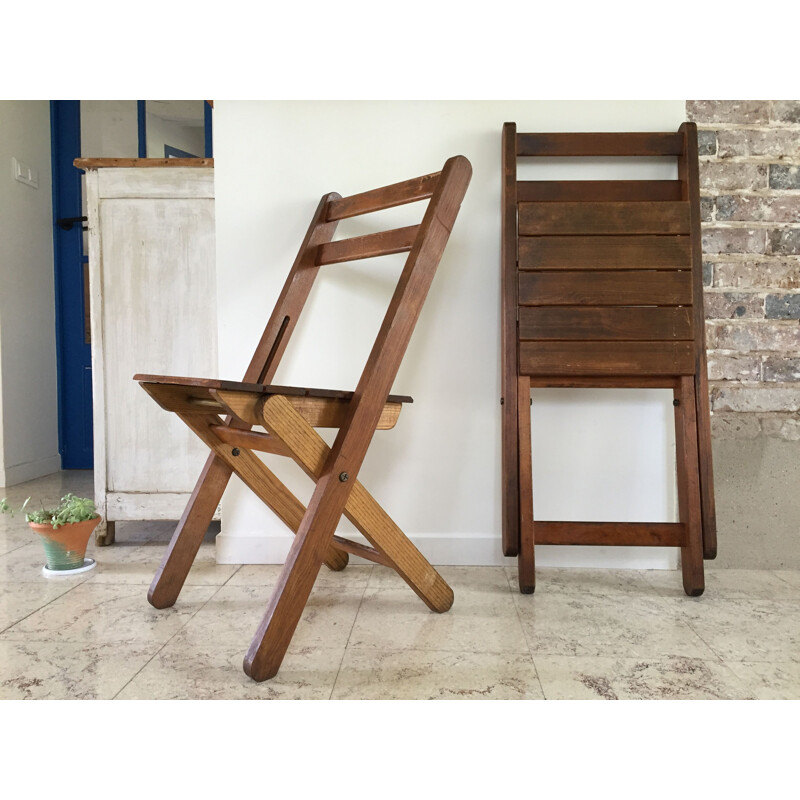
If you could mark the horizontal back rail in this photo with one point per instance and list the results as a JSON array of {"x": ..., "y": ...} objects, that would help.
[
  {"x": 598, "y": 191},
  {"x": 384, "y": 243},
  {"x": 599, "y": 144},
  {"x": 397, "y": 194}
]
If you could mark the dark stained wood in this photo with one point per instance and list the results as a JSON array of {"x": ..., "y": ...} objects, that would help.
[
  {"x": 605, "y": 534},
  {"x": 603, "y": 219},
  {"x": 646, "y": 288},
  {"x": 599, "y": 144},
  {"x": 606, "y": 382},
  {"x": 592, "y": 323},
  {"x": 526, "y": 563},
  {"x": 689, "y": 487},
  {"x": 606, "y": 358},
  {"x": 609, "y": 294},
  {"x": 330, "y": 496},
  {"x": 386, "y": 197},
  {"x": 199, "y": 388},
  {"x": 385, "y": 243},
  {"x": 508, "y": 344},
  {"x": 688, "y": 172},
  {"x": 604, "y": 252},
  {"x": 285, "y": 413},
  {"x": 597, "y": 191}
]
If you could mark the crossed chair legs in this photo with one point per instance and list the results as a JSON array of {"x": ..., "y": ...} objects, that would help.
[{"x": 315, "y": 541}]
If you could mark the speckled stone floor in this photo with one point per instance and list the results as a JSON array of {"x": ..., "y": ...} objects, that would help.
[{"x": 584, "y": 634}]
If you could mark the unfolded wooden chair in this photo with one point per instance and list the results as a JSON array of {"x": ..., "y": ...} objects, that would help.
[
  {"x": 602, "y": 287},
  {"x": 222, "y": 414}
]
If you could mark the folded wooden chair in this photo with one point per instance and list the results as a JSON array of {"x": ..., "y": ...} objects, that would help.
[
  {"x": 602, "y": 287},
  {"x": 222, "y": 414}
]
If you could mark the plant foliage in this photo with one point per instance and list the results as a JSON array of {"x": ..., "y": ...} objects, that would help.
[{"x": 70, "y": 509}]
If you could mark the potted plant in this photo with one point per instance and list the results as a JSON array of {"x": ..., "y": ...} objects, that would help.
[{"x": 65, "y": 532}]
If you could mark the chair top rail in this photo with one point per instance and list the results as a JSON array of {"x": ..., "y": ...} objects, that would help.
[
  {"x": 599, "y": 144},
  {"x": 397, "y": 194}
]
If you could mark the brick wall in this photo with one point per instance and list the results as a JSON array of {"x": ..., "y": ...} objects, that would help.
[{"x": 750, "y": 203}]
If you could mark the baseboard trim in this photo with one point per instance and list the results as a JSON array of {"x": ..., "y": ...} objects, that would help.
[
  {"x": 21, "y": 473},
  {"x": 457, "y": 550}
]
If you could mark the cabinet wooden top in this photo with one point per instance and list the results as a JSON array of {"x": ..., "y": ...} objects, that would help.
[{"x": 96, "y": 163}]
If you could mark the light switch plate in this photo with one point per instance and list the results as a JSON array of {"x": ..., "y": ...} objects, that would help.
[{"x": 24, "y": 173}]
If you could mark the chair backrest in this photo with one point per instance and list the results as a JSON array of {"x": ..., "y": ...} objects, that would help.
[
  {"x": 424, "y": 243},
  {"x": 605, "y": 275}
]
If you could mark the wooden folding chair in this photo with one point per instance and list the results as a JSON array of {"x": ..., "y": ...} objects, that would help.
[
  {"x": 602, "y": 287},
  {"x": 290, "y": 414}
]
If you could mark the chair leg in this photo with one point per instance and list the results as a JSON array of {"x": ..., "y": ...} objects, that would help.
[
  {"x": 510, "y": 470},
  {"x": 188, "y": 536},
  {"x": 311, "y": 453},
  {"x": 689, "y": 501},
  {"x": 526, "y": 563},
  {"x": 706, "y": 467},
  {"x": 199, "y": 511},
  {"x": 269, "y": 645}
]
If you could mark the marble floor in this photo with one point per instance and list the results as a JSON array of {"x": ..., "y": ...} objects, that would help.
[{"x": 585, "y": 634}]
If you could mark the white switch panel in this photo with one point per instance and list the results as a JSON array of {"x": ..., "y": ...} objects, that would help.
[{"x": 24, "y": 173}]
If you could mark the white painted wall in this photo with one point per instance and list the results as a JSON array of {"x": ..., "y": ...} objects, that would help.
[
  {"x": 438, "y": 472},
  {"x": 191, "y": 139},
  {"x": 29, "y": 407}
]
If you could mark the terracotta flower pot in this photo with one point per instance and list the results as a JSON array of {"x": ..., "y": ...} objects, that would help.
[{"x": 65, "y": 547}]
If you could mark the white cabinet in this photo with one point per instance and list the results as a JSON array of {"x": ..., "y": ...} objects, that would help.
[{"x": 153, "y": 310}]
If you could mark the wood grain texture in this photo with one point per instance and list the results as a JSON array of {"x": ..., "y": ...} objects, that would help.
[
  {"x": 603, "y": 219},
  {"x": 397, "y": 194},
  {"x": 526, "y": 561},
  {"x": 372, "y": 245},
  {"x": 606, "y": 358},
  {"x": 646, "y": 288},
  {"x": 688, "y": 466},
  {"x": 597, "y": 191},
  {"x": 608, "y": 534},
  {"x": 688, "y": 172},
  {"x": 605, "y": 252},
  {"x": 599, "y": 144},
  {"x": 591, "y": 323},
  {"x": 331, "y": 494},
  {"x": 100, "y": 163},
  {"x": 311, "y": 453},
  {"x": 508, "y": 344}
]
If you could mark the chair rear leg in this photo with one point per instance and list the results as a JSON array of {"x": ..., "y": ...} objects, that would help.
[
  {"x": 526, "y": 563},
  {"x": 689, "y": 487},
  {"x": 188, "y": 535}
]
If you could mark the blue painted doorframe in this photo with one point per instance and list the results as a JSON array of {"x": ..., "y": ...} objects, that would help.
[{"x": 73, "y": 348}]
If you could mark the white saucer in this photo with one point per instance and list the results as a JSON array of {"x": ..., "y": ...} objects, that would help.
[{"x": 88, "y": 563}]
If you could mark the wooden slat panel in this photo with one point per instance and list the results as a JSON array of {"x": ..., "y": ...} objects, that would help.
[
  {"x": 386, "y": 197},
  {"x": 588, "y": 218},
  {"x": 636, "y": 534},
  {"x": 605, "y": 288},
  {"x": 385, "y": 243},
  {"x": 597, "y": 191},
  {"x": 606, "y": 358},
  {"x": 599, "y": 144},
  {"x": 604, "y": 252},
  {"x": 634, "y": 323}
]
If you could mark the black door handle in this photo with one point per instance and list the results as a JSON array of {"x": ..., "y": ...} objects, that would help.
[{"x": 66, "y": 223}]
